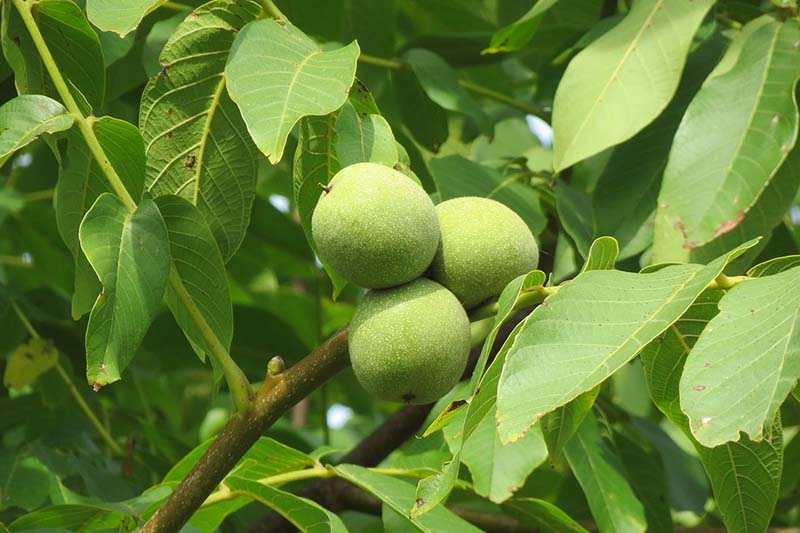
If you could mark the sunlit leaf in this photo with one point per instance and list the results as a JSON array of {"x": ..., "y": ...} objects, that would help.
[
  {"x": 119, "y": 16},
  {"x": 745, "y": 362},
  {"x": 623, "y": 80},
  {"x": 28, "y": 361},
  {"x": 714, "y": 176},
  {"x": 303, "y": 80},
  {"x": 27, "y": 117}
]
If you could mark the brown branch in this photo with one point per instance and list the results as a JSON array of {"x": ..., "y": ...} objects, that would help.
[{"x": 275, "y": 397}]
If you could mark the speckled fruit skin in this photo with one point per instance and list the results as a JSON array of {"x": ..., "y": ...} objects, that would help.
[
  {"x": 376, "y": 227},
  {"x": 410, "y": 343},
  {"x": 484, "y": 246}
]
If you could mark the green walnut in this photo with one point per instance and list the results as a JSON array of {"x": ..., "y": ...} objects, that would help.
[
  {"x": 484, "y": 245},
  {"x": 375, "y": 227},
  {"x": 410, "y": 343}
]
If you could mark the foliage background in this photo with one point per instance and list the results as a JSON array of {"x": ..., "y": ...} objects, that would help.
[{"x": 682, "y": 153}]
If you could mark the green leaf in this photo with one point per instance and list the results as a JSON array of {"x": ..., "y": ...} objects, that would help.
[
  {"x": 303, "y": 80},
  {"x": 81, "y": 181},
  {"x": 267, "y": 457},
  {"x": 774, "y": 266},
  {"x": 315, "y": 162},
  {"x": 559, "y": 426},
  {"x": 196, "y": 143},
  {"x": 745, "y": 475},
  {"x": 760, "y": 220},
  {"x": 623, "y": 80},
  {"x": 483, "y": 391},
  {"x": 746, "y": 361},
  {"x": 364, "y": 139},
  {"x": 72, "y": 42},
  {"x": 644, "y": 469},
  {"x": 602, "y": 254},
  {"x": 599, "y": 471},
  {"x": 25, "y": 118},
  {"x": 456, "y": 176},
  {"x": 23, "y": 481},
  {"x": 440, "y": 83},
  {"x": 199, "y": 264},
  {"x": 119, "y": 16},
  {"x": 399, "y": 495},
  {"x": 517, "y": 35},
  {"x": 130, "y": 254},
  {"x": 735, "y": 135},
  {"x": 424, "y": 118},
  {"x": 551, "y": 361},
  {"x": 625, "y": 197},
  {"x": 575, "y": 212},
  {"x": 307, "y": 515},
  {"x": 500, "y": 470},
  {"x": 543, "y": 515}
]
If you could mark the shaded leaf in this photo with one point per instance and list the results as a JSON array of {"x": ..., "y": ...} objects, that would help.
[
  {"x": 440, "y": 83},
  {"x": 599, "y": 471},
  {"x": 304, "y": 80},
  {"x": 575, "y": 213},
  {"x": 543, "y": 515},
  {"x": 315, "y": 162},
  {"x": 456, "y": 176},
  {"x": 199, "y": 265},
  {"x": 72, "y": 42},
  {"x": 517, "y": 35},
  {"x": 130, "y": 254},
  {"x": 623, "y": 80},
  {"x": 197, "y": 147},
  {"x": 25, "y": 118},
  {"x": 500, "y": 470},
  {"x": 423, "y": 117}
]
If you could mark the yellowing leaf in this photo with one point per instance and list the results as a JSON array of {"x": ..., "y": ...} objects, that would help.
[{"x": 28, "y": 362}]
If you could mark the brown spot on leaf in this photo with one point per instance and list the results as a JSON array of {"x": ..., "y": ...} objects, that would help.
[
  {"x": 420, "y": 502},
  {"x": 191, "y": 159},
  {"x": 96, "y": 386},
  {"x": 728, "y": 225},
  {"x": 699, "y": 388}
]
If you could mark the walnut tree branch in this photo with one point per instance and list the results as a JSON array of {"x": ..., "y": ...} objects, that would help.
[{"x": 274, "y": 398}]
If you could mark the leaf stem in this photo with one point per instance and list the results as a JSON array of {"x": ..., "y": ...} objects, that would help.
[
  {"x": 535, "y": 295},
  {"x": 237, "y": 381},
  {"x": 472, "y": 87},
  {"x": 107, "y": 438},
  {"x": 273, "y": 10}
]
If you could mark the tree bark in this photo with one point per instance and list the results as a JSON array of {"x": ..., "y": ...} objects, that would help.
[{"x": 276, "y": 396}]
